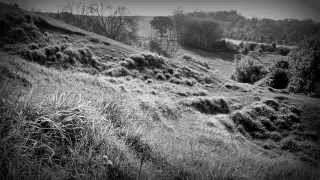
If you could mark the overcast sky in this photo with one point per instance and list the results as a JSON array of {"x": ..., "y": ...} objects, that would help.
[{"x": 276, "y": 9}]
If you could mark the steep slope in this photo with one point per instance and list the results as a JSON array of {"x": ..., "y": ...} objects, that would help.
[{"x": 82, "y": 106}]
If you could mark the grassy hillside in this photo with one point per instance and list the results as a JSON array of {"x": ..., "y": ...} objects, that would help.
[{"x": 76, "y": 105}]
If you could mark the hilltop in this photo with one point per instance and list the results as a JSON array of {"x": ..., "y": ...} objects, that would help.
[{"x": 77, "y": 105}]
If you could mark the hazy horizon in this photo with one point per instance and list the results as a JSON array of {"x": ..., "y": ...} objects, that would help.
[{"x": 274, "y": 9}]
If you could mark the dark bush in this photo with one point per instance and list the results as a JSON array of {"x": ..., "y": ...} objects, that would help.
[
  {"x": 290, "y": 144},
  {"x": 250, "y": 125},
  {"x": 276, "y": 136},
  {"x": 283, "y": 51},
  {"x": 305, "y": 67},
  {"x": 117, "y": 72},
  {"x": 282, "y": 64},
  {"x": 279, "y": 79}
]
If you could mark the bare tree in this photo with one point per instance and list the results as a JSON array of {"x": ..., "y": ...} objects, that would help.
[{"x": 112, "y": 19}]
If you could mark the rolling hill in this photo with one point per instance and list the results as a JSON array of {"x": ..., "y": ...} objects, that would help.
[{"x": 76, "y": 105}]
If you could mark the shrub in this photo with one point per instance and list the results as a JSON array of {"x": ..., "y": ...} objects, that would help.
[
  {"x": 160, "y": 76},
  {"x": 51, "y": 50},
  {"x": 82, "y": 54},
  {"x": 251, "y": 46},
  {"x": 176, "y": 80},
  {"x": 148, "y": 60},
  {"x": 283, "y": 64},
  {"x": 128, "y": 63},
  {"x": 248, "y": 70},
  {"x": 33, "y": 46},
  {"x": 283, "y": 51},
  {"x": 276, "y": 136},
  {"x": 305, "y": 66},
  {"x": 279, "y": 79},
  {"x": 117, "y": 71},
  {"x": 155, "y": 47},
  {"x": 290, "y": 144},
  {"x": 38, "y": 56},
  {"x": 272, "y": 103},
  {"x": 249, "y": 124}
]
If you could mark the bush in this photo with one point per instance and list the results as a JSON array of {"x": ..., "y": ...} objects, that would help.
[
  {"x": 38, "y": 56},
  {"x": 117, "y": 71},
  {"x": 283, "y": 51},
  {"x": 249, "y": 125},
  {"x": 305, "y": 67},
  {"x": 148, "y": 60},
  {"x": 279, "y": 79},
  {"x": 290, "y": 144},
  {"x": 155, "y": 47},
  {"x": 128, "y": 63},
  {"x": 248, "y": 70},
  {"x": 276, "y": 136},
  {"x": 283, "y": 64}
]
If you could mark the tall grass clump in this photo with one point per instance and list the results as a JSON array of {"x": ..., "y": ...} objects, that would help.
[{"x": 62, "y": 137}]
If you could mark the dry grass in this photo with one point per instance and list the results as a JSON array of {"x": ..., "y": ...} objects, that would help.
[{"x": 61, "y": 136}]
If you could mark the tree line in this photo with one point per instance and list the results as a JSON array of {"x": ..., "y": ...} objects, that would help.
[{"x": 236, "y": 26}]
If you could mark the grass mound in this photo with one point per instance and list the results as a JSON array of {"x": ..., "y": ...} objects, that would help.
[
  {"x": 209, "y": 105},
  {"x": 263, "y": 117},
  {"x": 148, "y": 60},
  {"x": 157, "y": 67},
  {"x": 280, "y": 123},
  {"x": 64, "y": 56}
]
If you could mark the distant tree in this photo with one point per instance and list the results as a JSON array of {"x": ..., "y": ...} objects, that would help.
[
  {"x": 162, "y": 25},
  {"x": 111, "y": 19},
  {"x": 201, "y": 34}
]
